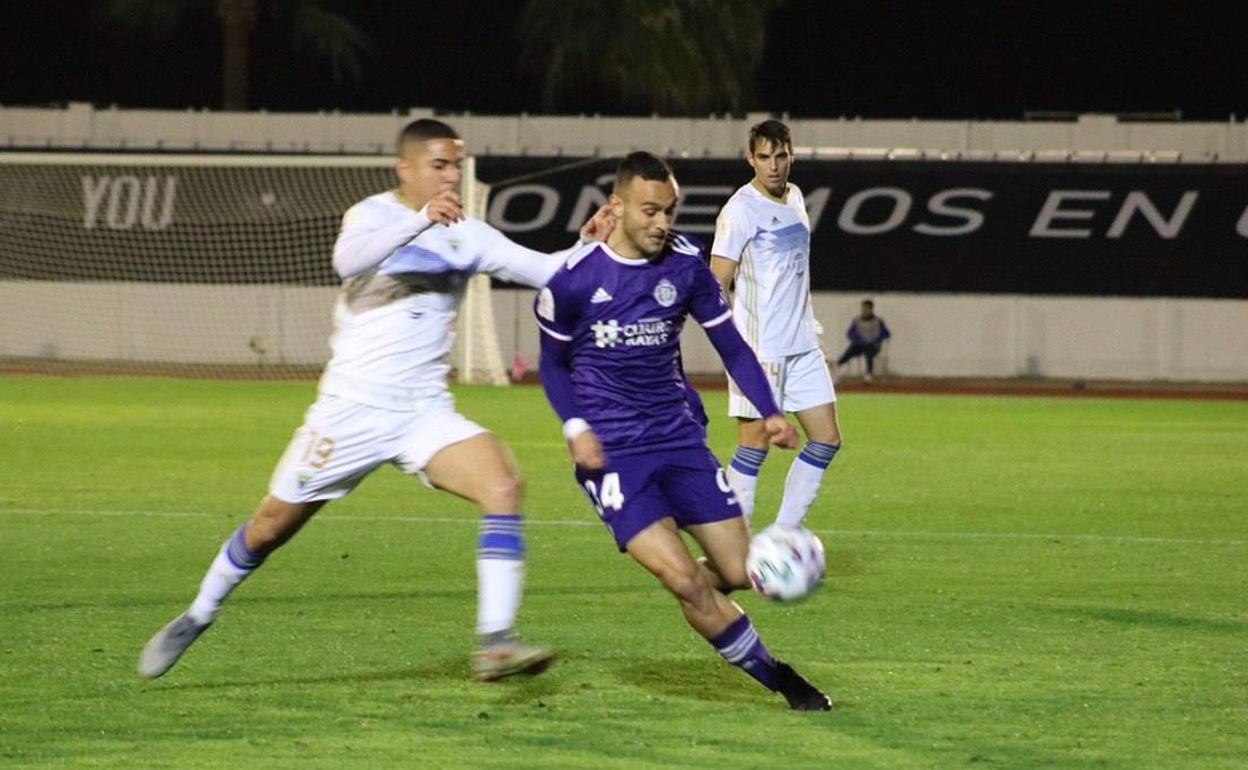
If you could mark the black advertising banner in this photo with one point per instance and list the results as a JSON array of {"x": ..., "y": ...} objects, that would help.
[
  {"x": 917, "y": 226},
  {"x": 933, "y": 226}
]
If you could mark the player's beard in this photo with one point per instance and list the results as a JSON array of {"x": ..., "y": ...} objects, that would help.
[
  {"x": 651, "y": 246},
  {"x": 642, "y": 244}
]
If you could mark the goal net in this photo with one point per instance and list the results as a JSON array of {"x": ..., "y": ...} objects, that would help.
[{"x": 202, "y": 265}]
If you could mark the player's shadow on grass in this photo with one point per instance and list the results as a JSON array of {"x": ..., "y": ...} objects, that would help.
[
  {"x": 702, "y": 680},
  {"x": 515, "y": 690},
  {"x": 1154, "y": 618}
]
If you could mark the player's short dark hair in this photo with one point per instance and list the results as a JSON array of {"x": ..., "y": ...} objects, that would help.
[
  {"x": 869, "y": 303},
  {"x": 646, "y": 165},
  {"x": 423, "y": 130},
  {"x": 771, "y": 131}
]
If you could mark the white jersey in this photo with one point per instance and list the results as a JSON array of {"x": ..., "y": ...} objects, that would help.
[
  {"x": 771, "y": 243},
  {"x": 395, "y": 317}
]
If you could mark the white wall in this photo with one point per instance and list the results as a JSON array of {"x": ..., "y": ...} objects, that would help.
[
  {"x": 1090, "y": 138},
  {"x": 934, "y": 335},
  {"x": 169, "y": 323}
]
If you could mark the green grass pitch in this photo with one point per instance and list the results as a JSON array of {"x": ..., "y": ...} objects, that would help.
[{"x": 1013, "y": 583}]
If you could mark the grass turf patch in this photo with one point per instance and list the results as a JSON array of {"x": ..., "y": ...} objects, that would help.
[{"x": 1014, "y": 582}]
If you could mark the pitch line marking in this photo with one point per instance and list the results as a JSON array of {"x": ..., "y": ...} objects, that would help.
[{"x": 916, "y": 534}]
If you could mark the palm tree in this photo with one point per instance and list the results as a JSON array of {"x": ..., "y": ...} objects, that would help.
[
  {"x": 312, "y": 24},
  {"x": 670, "y": 56}
]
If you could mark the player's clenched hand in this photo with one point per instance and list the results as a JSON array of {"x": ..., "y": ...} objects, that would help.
[
  {"x": 587, "y": 451},
  {"x": 781, "y": 432},
  {"x": 599, "y": 225},
  {"x": 444, "y": 208}
]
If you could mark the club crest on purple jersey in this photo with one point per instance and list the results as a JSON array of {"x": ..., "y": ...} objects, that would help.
[{"x": 665, "y": 293}]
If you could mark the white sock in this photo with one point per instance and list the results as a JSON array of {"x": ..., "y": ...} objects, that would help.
[
  {"x": 499, "y": 584},
  {"x": 745, "y": 486},
  {"x": 802, "y": 484},
  {"x": 500, "y": 573},
  {"x": 223, "y": 577},
  {"x": 743, "y": 477}
]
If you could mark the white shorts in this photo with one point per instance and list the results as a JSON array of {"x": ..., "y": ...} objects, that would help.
[
  {"x": 341, "y": 442},
  {"x": 798, "y": 383}
]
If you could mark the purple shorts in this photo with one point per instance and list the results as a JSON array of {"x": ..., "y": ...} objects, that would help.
[{"x": 634, "y": 491}]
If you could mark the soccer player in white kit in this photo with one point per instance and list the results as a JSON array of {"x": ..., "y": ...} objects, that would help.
[
  {"x": 762, "y": 253},
  {"x": 404, "y": 256}
]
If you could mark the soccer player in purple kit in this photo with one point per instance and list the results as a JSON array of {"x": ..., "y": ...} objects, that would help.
[{"x": 611, "y": 322}]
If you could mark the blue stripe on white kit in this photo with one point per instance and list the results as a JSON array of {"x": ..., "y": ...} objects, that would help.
[
  {"x": 818, "y": 454},
  {"x": 501, "y": 538},
  {"x": 790, "y": 238}
]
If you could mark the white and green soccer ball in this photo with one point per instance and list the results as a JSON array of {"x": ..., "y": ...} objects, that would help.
[{"x": 785, "y": 563}]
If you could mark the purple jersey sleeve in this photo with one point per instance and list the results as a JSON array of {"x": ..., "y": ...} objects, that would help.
[
  {"x": 743, "y": 367},
  {"x": 555, "y": 369},
  {"x": 708, "y": 306},
  {"x": 707, "y": 303},
  {"x": 557, "y": 308}
]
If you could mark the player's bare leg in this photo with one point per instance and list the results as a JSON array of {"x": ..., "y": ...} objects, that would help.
[
  {"x": 801, "y": 486},
  {"x": 660, "y": 549},
  {"x": 274, "y": 522},
  {"x": 726, "y": 545},
  {"x": 820, "y": 423},
  {"x": 481, "y": 469}
]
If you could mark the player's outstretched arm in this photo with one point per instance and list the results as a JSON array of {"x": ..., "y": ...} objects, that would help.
[
  {"x": 367, "y": 239},
  {"x": 508, "y": 260},
  {"x": 743, "y": 367}
]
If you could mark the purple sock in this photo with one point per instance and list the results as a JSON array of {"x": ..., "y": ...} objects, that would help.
[{"x": 740, "y": 646}]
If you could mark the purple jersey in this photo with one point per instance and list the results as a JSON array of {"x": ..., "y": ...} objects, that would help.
[{"x": 622, "y": 320}]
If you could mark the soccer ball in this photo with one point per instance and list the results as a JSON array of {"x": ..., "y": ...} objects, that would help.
[{"x": 785, "y": 563}]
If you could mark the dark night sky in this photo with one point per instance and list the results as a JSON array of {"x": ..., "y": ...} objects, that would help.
[{"x": 874, "y": 58}]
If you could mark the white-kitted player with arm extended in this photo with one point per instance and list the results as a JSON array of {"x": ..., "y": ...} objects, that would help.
[
  {"x": 762, "y": 253},
  {"x": 404, "y": 257}
]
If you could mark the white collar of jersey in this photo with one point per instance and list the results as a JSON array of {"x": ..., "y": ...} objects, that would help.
[
  {"x": 610, "y": 252},
  {"x": 788, "y": 188}
]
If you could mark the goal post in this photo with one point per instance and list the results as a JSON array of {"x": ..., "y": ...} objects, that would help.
[
  {"x": 476, "y": 356},
  {"x": 190, "y": 264}
]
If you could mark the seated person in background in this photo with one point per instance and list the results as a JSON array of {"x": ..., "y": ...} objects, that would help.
[{"x": 866, "y": 334}]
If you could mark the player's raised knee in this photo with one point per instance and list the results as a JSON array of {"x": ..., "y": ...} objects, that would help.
[{"x": 502, "y": 493}]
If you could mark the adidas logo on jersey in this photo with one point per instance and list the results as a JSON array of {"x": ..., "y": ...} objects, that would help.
[
  {"x": 775, "y": 220},
  {"x": 600, "y": 296}
]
